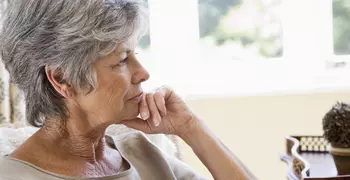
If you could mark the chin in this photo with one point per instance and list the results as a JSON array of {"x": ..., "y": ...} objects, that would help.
[
  {"x": 131, "y": 110},
  {"x": 132, "y": 114}
]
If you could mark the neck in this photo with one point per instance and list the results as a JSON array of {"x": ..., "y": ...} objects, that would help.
[{"x": 76, "y": 139}]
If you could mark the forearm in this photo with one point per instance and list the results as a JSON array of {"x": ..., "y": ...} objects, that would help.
[{"x": 219, "y": 160}]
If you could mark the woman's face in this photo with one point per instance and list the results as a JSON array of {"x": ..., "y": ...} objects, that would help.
[{"x": 118, "y": 92}]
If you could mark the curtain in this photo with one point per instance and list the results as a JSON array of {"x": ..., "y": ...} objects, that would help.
[{"x": 12, "y": 105}]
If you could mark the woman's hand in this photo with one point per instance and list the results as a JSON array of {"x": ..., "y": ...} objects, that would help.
[{"x": 164, "y": 112}]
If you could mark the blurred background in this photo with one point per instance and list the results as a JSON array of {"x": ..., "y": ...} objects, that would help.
[{"x": 254, "y": 70}]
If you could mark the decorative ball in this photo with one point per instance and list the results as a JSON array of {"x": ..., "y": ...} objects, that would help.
[{"x": 336, "y": 125}]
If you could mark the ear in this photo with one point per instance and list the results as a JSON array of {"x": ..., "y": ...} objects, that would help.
[{"x": 55, "y": 76}]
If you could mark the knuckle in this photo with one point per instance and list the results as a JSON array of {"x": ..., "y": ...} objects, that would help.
[{"x": 165, "y": 87}]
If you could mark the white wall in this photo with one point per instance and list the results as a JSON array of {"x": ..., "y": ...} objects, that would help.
[{"x": 254, "y": 127}]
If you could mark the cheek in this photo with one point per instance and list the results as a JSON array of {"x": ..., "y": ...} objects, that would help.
[
  {"x": 108, "y": 101},
  {"x": 115, "y": 93}
]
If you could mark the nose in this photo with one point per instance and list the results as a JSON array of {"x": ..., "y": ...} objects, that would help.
[{"x": 140, "y": 75}]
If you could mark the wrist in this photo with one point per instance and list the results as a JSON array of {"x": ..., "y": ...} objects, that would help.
[{"x": 196, "y": 132}]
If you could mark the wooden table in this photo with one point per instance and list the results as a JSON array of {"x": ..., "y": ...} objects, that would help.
[{"x": 308, "y": 158}]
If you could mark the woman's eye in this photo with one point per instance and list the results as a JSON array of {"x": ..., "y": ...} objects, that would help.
[
  {"x": 121, "y": 63},
  {"x": 124, "y": 60}
]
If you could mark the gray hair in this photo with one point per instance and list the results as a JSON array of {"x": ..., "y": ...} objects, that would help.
[{"x": 68, "y": 35}]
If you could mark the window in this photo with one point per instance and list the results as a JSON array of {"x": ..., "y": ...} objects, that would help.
[
  {"x": 235, "y": 47},
  {"x": 341, "y": 27},
  {"x": 225, "y": 47},
  {"x": 240, "y": 29},
  {"x": 144, "y": 43}
]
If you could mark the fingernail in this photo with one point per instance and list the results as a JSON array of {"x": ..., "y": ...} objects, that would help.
[
  {"x": 156, "y": 122},
  {"x": 144, "y": 116}
]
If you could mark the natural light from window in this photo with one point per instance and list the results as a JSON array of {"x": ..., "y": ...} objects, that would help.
[{"x": 250, "y": 47}]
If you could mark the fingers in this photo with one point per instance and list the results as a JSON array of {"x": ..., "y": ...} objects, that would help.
[
  {"x": 143, "y": 108},
  {"x": 155, "y": 116},
  {"x": 152, "y": 107},
  {"x": 165, "y": 91},
  {"x": 160, "y": 102}
]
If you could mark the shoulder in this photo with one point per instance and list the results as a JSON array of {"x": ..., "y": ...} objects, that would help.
[
  {"x": 9, "y": 169},
  {"x": 6, "y": 165}
]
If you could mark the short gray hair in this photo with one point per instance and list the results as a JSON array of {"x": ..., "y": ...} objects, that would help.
[{"x": 65, "y": 34}]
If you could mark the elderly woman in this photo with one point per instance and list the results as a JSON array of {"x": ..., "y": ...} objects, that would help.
[{"x": 75, "y": 62}]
